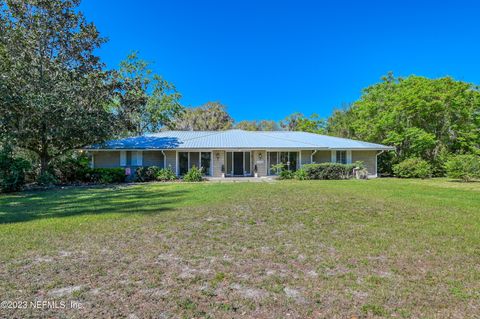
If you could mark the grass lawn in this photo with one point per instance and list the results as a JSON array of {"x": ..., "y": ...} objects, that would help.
[{"x": 378, "y": 248}]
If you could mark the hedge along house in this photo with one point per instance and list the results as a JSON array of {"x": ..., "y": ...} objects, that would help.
[{"x": 232, "y": 152}]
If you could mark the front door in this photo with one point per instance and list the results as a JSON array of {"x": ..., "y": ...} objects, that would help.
[{"x": 238, "y": 163}]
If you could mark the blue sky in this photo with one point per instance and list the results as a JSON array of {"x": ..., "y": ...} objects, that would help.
[{"x": 268, "y": 59}]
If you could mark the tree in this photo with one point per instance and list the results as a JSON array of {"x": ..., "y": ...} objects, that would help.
[
  {"x": 146, "y": 102},
  {"x": 212, "y": 116},
  {"x": 268, "y": 125},
  {"x": 464, "y": 167},
  {"x": 299, "y": 122},
  {"x": 247, "y": 125},
  {"x": 413, "y": 167},
  {"x": 53, "y": 90},
  {"x": 264, "y": 125},
  {"x": 421, "y": 117},
  {"x": 338, "y": 122},
  {"x": 12, "y": 170}
]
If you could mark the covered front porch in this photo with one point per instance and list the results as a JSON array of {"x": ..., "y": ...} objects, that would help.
[
  {"x": 231, "y": 162},
  {"x": 240, "y": 163}
]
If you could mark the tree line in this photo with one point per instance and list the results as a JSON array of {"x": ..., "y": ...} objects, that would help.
[
  {"x": 429, "y": 119},
  {"x": 56, "y": 95}
]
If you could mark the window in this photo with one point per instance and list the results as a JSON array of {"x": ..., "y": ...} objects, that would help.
[
  {"x": 246, "y": 163},
  {"x": 284, "y": 159},
  {"x": 129, "y": 158},
  {"x": 292, "y": 161},
  {"x": 272, "y": 160},
  {"x": 288, "y": 159},
  {"x": 183, "y": 162},
  {"x": 342, "y": 157},
  {"x": 187, "y": 160},
  {"x": 194, "y": 160},
  {"x": 229, "y": 160},
  {"x": 205, "y": 163}
]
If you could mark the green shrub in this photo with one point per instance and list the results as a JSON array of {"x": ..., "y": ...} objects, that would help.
[
  {"x": 329, "y": 171},
  {"x": 439, "y": 163},
  {"x": 193, "y": 175},
  {"x": 286, "y": 174},
  {"x": 414, "y": 167},
  {"x": 281, "y": 172},
  {"x": 165, "y": 175},
  {"x": 106, "y": 175},
  {"x": 464, "y": 167},
  {"x": 301, "y": 174},
  {"x": 359, "y": 165},
  {"x": 146, "y": 174},
  {"x": 277, "y": 169},
  {"x": 46, "y": 179},
  {"x": 154, "y": 173},
  {"x": 12, "y": 170},
  {"x": 73, "y": 168}
]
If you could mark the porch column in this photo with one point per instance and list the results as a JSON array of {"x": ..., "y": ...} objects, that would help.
[
  {"x": 218, "y": 162},
  {"x": 260, "y": 160},
  {"x": 265, "y": 163},
  {"x": 177, "y": 171},
  {"x": 123, "y": 158}
]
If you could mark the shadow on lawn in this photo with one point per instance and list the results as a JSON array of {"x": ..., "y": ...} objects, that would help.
[
  {"x": 84, "y": 201},
  {"x": 464, "y": 182}
]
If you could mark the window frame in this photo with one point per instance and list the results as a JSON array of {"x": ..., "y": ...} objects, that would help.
[{"x": 341, "y": 157}]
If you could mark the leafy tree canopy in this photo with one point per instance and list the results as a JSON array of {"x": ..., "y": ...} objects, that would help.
[
  {"x": 264, "y": 125},
  {"x": 299, "y": 122},
  {"x": 421, "y": 117},
  {"x": 146, "y": 102},
  {"x": 53, "y": 90},
  {"x": 211, "y": 116}
]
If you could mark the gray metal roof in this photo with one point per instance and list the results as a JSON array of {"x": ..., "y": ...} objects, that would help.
[{"x": 236, "y": 139}]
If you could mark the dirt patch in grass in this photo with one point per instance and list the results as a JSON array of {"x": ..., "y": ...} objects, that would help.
[{"x": 290, "y": 249}]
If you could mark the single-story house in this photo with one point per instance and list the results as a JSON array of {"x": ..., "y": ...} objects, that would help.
[{"x": 233, "y": 152}]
